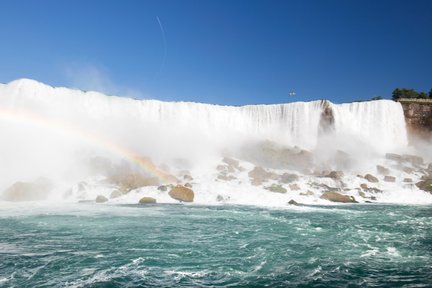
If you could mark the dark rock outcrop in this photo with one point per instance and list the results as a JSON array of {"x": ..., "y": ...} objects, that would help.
[{"x": 425, "y": 185}]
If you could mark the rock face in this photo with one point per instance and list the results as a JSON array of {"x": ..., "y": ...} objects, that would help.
[
  {"x": 182, "y": 193},
  {"x": 337, "y": 197},
  {"x": 28, "y": 191},
  {"x": 425, "y": 185},
  {"x": 101, "y": 199},
  {"x": 147, "y": 200},
  {"x": 418, "y": 116}
]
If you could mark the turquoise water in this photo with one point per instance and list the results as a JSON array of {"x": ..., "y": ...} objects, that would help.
[{"x": 90, "y": 245}]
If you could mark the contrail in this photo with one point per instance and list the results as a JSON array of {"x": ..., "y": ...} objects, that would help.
[{"x": 164, "y": 45}]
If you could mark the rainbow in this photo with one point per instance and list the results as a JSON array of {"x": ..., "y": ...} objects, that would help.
[{"x": 106, "y": 144}]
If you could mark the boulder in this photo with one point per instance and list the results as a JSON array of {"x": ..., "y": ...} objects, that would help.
[
  {"x": 147, "y": 200},
  {"x": 362, "y": 194},
  {"x": 162, "y": 188},
  {"x": 425, "y": 185},
  {"x": 371, "y": 178},
  {"x": 336, "y": 175},
  {"x": 276, "y": 188},
  {"x": 221, "y": 198},
  {"x": 393, "y": 156},
  {"x": 337, "y": 197},
  {"x": 413, "y": 159},
  {"x": 115, "y": 194},
  {"x": 288, "y": 178},
  {"x": 182, "y": 193},
  {"x": 260, "y": 175},
  {"x": 188, "y": 185},
  {"x": 101, "y": 199},
  {"x": 292, "y": 202},
  {"x": 231, "y": 162},
  {"x": 188, "y": 177},
  {"x": 307, "y": 193},
  {"x": 382, "y": 170},
  {"x": 131, "y": 181},
  {"x": 28, "y": 191},
  {"x": 407, "y": 180},
  {"x": 226, "y": 177},
  {"x": 294, "y": 187},
  {"x": 408, "y": 170},
  {"x": 389, "y": 179},
  {"x": 364, "y": 186}
]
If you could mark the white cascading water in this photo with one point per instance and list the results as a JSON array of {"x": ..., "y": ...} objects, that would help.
[{"x": 46, "y": 129}]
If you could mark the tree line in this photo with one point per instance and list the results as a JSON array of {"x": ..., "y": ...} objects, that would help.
[{"x": 399, "y": 93}]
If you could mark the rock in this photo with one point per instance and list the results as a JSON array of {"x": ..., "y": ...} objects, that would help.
[
  {"x": 188, "y": 177},
  {"x": 147, "y": 200},
  {"x": 288, "y": 178},
  {"x": 260, "y": 175},
  {"x": 115, "y": 194},
  {"x": 362, "y": 194},
  {"x": 131, "y": 181},
  {"x": 336, "y": 175},
  {"x": 407, "y": 180},
  {"x": 225, "y": 177},
  {"x": 425, "y": 185},
  {"x": 188, "y": 185},
  {"x": 28, "y": 191},
  {"x": 221, "y": 168},
  {"x": 182, "y": 193},
  {"x": 382, "y": 170},
  {"x": 389, "y": 179},
  {"x": 393, "y": 156},
  {"x": 292, "y": 202},
  {"x": 408, "y": 170},
  {"x": 429, "y": 168},
  {"x": 364, "y": 186},
  {"x": 101, "y": 199},
  {"x": 220, "y": 198},
  {"x": 413, "y": 159},
  {"x": 294, "y": 187},
  {"x": 276, "y": 188},
  {"x": 231, "y": 162},
  {"x": 336, "y": 197},
  {"x": 162, "y": 188},
  {"x": 307, "y": 193},
  {"x": 371, "y": 178}
]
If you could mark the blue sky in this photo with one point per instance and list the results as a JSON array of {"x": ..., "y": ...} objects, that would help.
[{"x": 224, "y": 52}]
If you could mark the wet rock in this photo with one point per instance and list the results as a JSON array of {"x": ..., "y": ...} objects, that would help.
[
  {"x": 101, "y": 199},
  {"x": 407, "y": 180},
  {"x": 425, "y": 185},
  {"x": 260, "y": 175},
  {"x": 294, "y": 187},
  {"x": 221, "y": 198},
  {"x": 408, "y": 170},
  {"x": 292, "y": 202},
  {"x": 115, "y": 194},
  {"x": 128, "y": 182},
  {"x": 337, "y": 197},
  {"x": 188, "y": 185},
  {"x": 389, "y": 179},
  {"x": 364, "y": 186},
  {"x": 182, "y": 193},
  {"x": 188, "y": 177},
  {"x": 225, "y": 177},
  {"x": 362, "y": 194},
  {"x": 394, "y": 157},
  {"x": 276, "y": 188},
  {"x": 382, "y": 170},
  {"x": 28, "y": 191},
  {"x": 307, "y": 193},
  {"x": 231, "y": 162},
  {"x": 162, "y": 188},
  {"x": 371, "y": 178},
  {"x": 336, "y": 175},
  {"x": 147, "y": 200},
  {"x": 413, "y": 159},
  {"x": 288, "y": 178}
]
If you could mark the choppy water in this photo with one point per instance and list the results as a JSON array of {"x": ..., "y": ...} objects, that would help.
[{"x": 191, "y": 246}]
